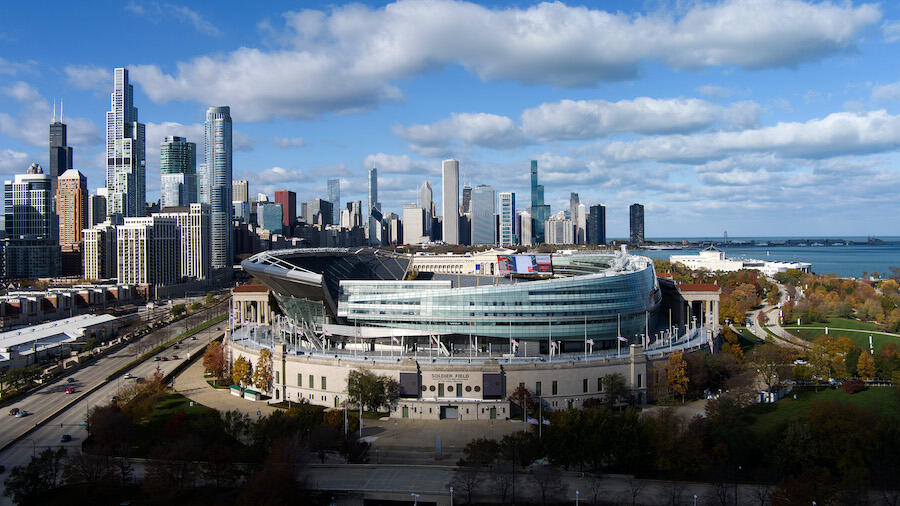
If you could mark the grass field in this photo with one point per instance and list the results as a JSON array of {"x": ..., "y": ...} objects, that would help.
[
  {"x": 861, "y": 338},
  {"x": 842, "y": 323},
  {"x": 171, "y": 403},
  {"x": 881, "y": 399}
]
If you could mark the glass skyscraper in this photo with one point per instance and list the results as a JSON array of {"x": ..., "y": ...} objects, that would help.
[
  {"x": 636, "y": 221},
  {"x": 484, "y": 206},
  {"x": 334, "y": 196},
  {"x": 178, "y": 171},
  {"x": 508, "y": 219},
  {"x": 216, "y": 185},
  {"x": 596, "y": 225},
  {"x": 450, "y": 200},
  {"x": 540, "y": 212},
  {"x": 125, "y": 150}
]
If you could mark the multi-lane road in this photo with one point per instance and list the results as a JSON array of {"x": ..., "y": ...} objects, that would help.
[{"x": 70, "y": 409}]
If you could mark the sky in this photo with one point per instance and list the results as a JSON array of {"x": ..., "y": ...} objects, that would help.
[{"x": 759, "y": 118}]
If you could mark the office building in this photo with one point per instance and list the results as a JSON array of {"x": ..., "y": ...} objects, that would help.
[
  {"x": 484, "y": 206},
  {"x": 539, "y": 211},
  {"x": 580, "y": 224},
  {"x": 373, "y": 190},
  {"x": 450, "y": 200},
  {"x": 29, "y": 257},
  {"x": 71, "y": 208},
  {"x": 375, "y": 228},
  {"x": 125, "y": 151},
  {"x": 426, "y": 202},
  {"x": 394, "y": 229},
  {"x": 319, "y": 212},
  {"x": 466, "y": 206},
  {"x": 334, "y": 196},
  {"x": 100, "y": 252},
  {"x": 507, "y": 221},
  {"x": 178, "y": 172},
  {"x": 526, "y": 234},
  {"x": 240, "y": 190},
  {"x": 596, "y": 233},
  {"x": 215, "y": 185},
  {"x": 270, "y": 217},
  {"x": 241, "y": 210},
  {"x": 193, "y": 227},
  {"x": 148, "y": 251},
  {"x": 28, "y": 204},
  {"x": 559, "y": 229},
  {"x": 636, "y": 221},
  {"x": 288, "y": 201},
  {"x": 97, "y": 207},
  {"x": 413, "y": 224},
  {"x": 60, "y": 151}
]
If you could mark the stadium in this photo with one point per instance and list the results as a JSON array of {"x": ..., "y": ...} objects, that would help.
[{"x": 454, "y": 330}]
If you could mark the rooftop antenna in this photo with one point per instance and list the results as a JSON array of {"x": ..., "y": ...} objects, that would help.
[
  {"x": 60, "y": 111},
  {"x": 53, "y": 117}
]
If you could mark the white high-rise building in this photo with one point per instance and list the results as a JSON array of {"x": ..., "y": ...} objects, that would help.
[
  {"x": 581, "y": 224},
  {"x": 413, "y": 224},
  {"x": 100, "y": 251},
  {"x": 240, "y": 190},
  {"x": 559, "y": 229},
  {"x": 148, "y": 251},
  {"x": 526, "y": 238},
  {"x": 426, "y": 202},
  {"x": 29, "y": 206},
  {"x": 450, "y": 200},
  {"x": 216, "y": 185},
  {"x": 125, "y": 152},
  {"x": 178, "y": 172},
  {"x": 508, "y": 219},
  {"x": 193, "y": 225},
  {"x": 484, "y": 207}
]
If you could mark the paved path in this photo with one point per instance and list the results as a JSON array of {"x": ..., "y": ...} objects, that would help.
[
  {"x": 192, "y": 384},
  {"x": 770, "y": 313}
]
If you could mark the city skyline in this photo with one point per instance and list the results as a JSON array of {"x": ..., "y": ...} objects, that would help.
[{"x": 753, "y": 139}]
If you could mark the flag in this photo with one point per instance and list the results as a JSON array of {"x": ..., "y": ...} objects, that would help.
[
  {"x": 328, "y": 334},
  {"x": 514, "y": 342},
  {"x": 532, "y": 420},
  {"x": 358, "y": 332},
  {"x": 623, "y": 339},
  {"x": 546, "y": 422},
  {"x": 395, "y": 340},
  {"x": 555, "y": 344},
  {"x": 590, "y": 342}
]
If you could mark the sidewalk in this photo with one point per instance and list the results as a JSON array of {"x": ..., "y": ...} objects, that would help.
[{"x": 191, "y": 384}]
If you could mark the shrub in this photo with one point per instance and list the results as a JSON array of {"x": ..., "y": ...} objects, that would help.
[{"x": 853, "y": 386}]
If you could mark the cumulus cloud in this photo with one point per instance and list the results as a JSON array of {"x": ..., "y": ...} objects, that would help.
[
  {"x": 401, "y": 164},
  {"x": 347, "y": 59},
  {"x": 886, "y": 91},
  {"x": 156, "y": 11},
  {"x": 31, "y": 124},
  {"x": 13, "y": 162},
  {"x": 834, "y": 135},
  {"x": 715, "y": 91},
  {"x": 89, "y": 77},
  {"x": 292, "y": 142},
  {"x": 890, "y": 30},
  {"x": 481, "y": 129},
  {"x": 21, "y": 91}
]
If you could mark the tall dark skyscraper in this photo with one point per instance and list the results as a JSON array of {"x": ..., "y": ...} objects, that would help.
[
  {"x": 60, "y": 153},
  {"x": 596, "y": 225},
  {"x": 538, "y": 210},
  {"x": 636, "y": 215},
  {"x": 466, "y": 200}
]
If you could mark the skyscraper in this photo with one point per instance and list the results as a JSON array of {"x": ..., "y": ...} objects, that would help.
[
  {"x": 240, "y": 191},
  {"x": 97, "y": 207},
  {"x": 373, "y": 190},
  {"x": 466, "y": 200},
  {"x": 450, "y": 200},
  {"x": 288, "y": 201},
  {"x": 508, "y": 219},
  {"x": 636, "y": 219},
  {"x": 426, "y": 202},
  {"x": 334, "y": 196},
  {"x": 125, "y": 147},
  {"x": 148, "y": 251},
  {"x": 525, "y": 233},
  {"x": 29, "y": 204},
  {"x": 193, "y": 227},
  {"x": 60, "y": 153},
  {"x": 71, "y": 207},
  {"x": 539, "y": 212},
  {"x": 178, "y": 171},
  {"x": 215, "y": 185},
  {"x": 413, "y": 224},
  {"x": 484, "y": 206},
  {"x": 596, "y": 225}
]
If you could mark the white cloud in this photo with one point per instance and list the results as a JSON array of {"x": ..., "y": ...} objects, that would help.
[
  {"x": 715, "y": 91},
  {"x": 155, "y": 11},
  {"x": 13, "y": 162},
  {"x": 481, "y": 129},
  {"x": 32, "y": 122},
  {"x": 886, "y": 91},
  {"x": 89, "y": 77},
  {"x": 284, "y": 143},
  {"x": 834, "y": 135},
  {"x": 21, "y": 91},
  {"x": 12, "y": 68},
  {"x": 890, "y": 30},
  {"x": 400, "y": 164},
  {"x": 347, "y": 59}
]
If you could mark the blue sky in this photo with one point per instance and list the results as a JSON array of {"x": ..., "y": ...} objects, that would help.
[{"x": 771, "y": 117}]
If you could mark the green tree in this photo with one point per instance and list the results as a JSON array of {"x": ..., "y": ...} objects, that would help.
[
  {"x": 262, "y": 375},
  {"x": 374, "y": 392},
  {"x": 480, "y": 452},
  {"x": 615, "y": 390},
  {"x": 865, "y": 368},
  {"x": 241, "y": 372},
  {"x": 210, "y": 299},
  {"x": 676, "y": 374},
  {"x": 42, "y": 474},
  {"x": 771, "y": 364},
  {"x": 178, "y": 310}
]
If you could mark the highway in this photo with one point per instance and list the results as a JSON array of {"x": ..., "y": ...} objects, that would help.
[{"x": 43, "y": 402}]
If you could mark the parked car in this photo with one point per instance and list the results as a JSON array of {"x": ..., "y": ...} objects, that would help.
[
  {"x": 65, "y": 438},
  {"x": 13, "y": 411},
  {"x": 70, "y": 390}
]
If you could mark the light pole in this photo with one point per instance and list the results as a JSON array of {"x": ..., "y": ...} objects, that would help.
[
  {"x": 451, "y": 496},
  {"x": 695, "y": 499},
  {"x": 577, "y": 493},
  {"x": 415, "y": 498}
]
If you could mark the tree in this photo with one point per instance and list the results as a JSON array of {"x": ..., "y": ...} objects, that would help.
[
  {"x": 237, "y": 424},
  {"x": 522, "y": 397},
  {"x": 196, "y": 306},
  {"x": 262, "y": 375},
  {"x": 374, "y": 392},
  {"x": 178, "y": 310},
  {"x": 241, "y": 372},
  {"x": 549, "y": 483},
  {"x": 771, "y": 364},
  {"x": 615, "y": 390},
  {"x": 466, "y": 480},
  {"x": 676, "y": 374},
  {"x": 42, "y": 474},
  {"x": 865, "y": 368},
  {"x": 210, "y": 299},
  {"x": 481, "y": 452},
  {"x": 214, "y": 361},
  {"x": 90, "y": 469},
  {"x": 111, "y": 428}
]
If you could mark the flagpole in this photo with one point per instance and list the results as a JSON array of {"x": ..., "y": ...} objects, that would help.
[
  {"x": 618, "y": 334},
  {"x": 585, "y": 336}
]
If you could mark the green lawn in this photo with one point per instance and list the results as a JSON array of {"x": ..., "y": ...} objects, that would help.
[
  {"x": 171, "y": 403},
  {"x": 861, "y": 338},
  {"x": 842, "y": 323},
  {"x": 881, "y": 399}
]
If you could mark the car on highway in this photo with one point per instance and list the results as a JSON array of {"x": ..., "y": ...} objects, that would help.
[
  {"x": 156, "y": 359},
  {"x": 128, "y": 376},
  {"x": 21, "y": 413},
  {"x": 13, "y": 411},
  {"x": 174, "y": 357},
  {"x": 176, "y": 347},
  {"x": 164, "y": 359},
  {"x": 70, "y": 380},
  {"x": 65, "y": 438},
  {"x": 70, "y": 390}
]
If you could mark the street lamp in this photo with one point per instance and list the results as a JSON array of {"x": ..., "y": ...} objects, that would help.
[
  {"x": 577, "y": 493},
  {"x": 695, "y": 499},
  {"x": 415, "y": 498},
  {"x": 451, "y": 496}
]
